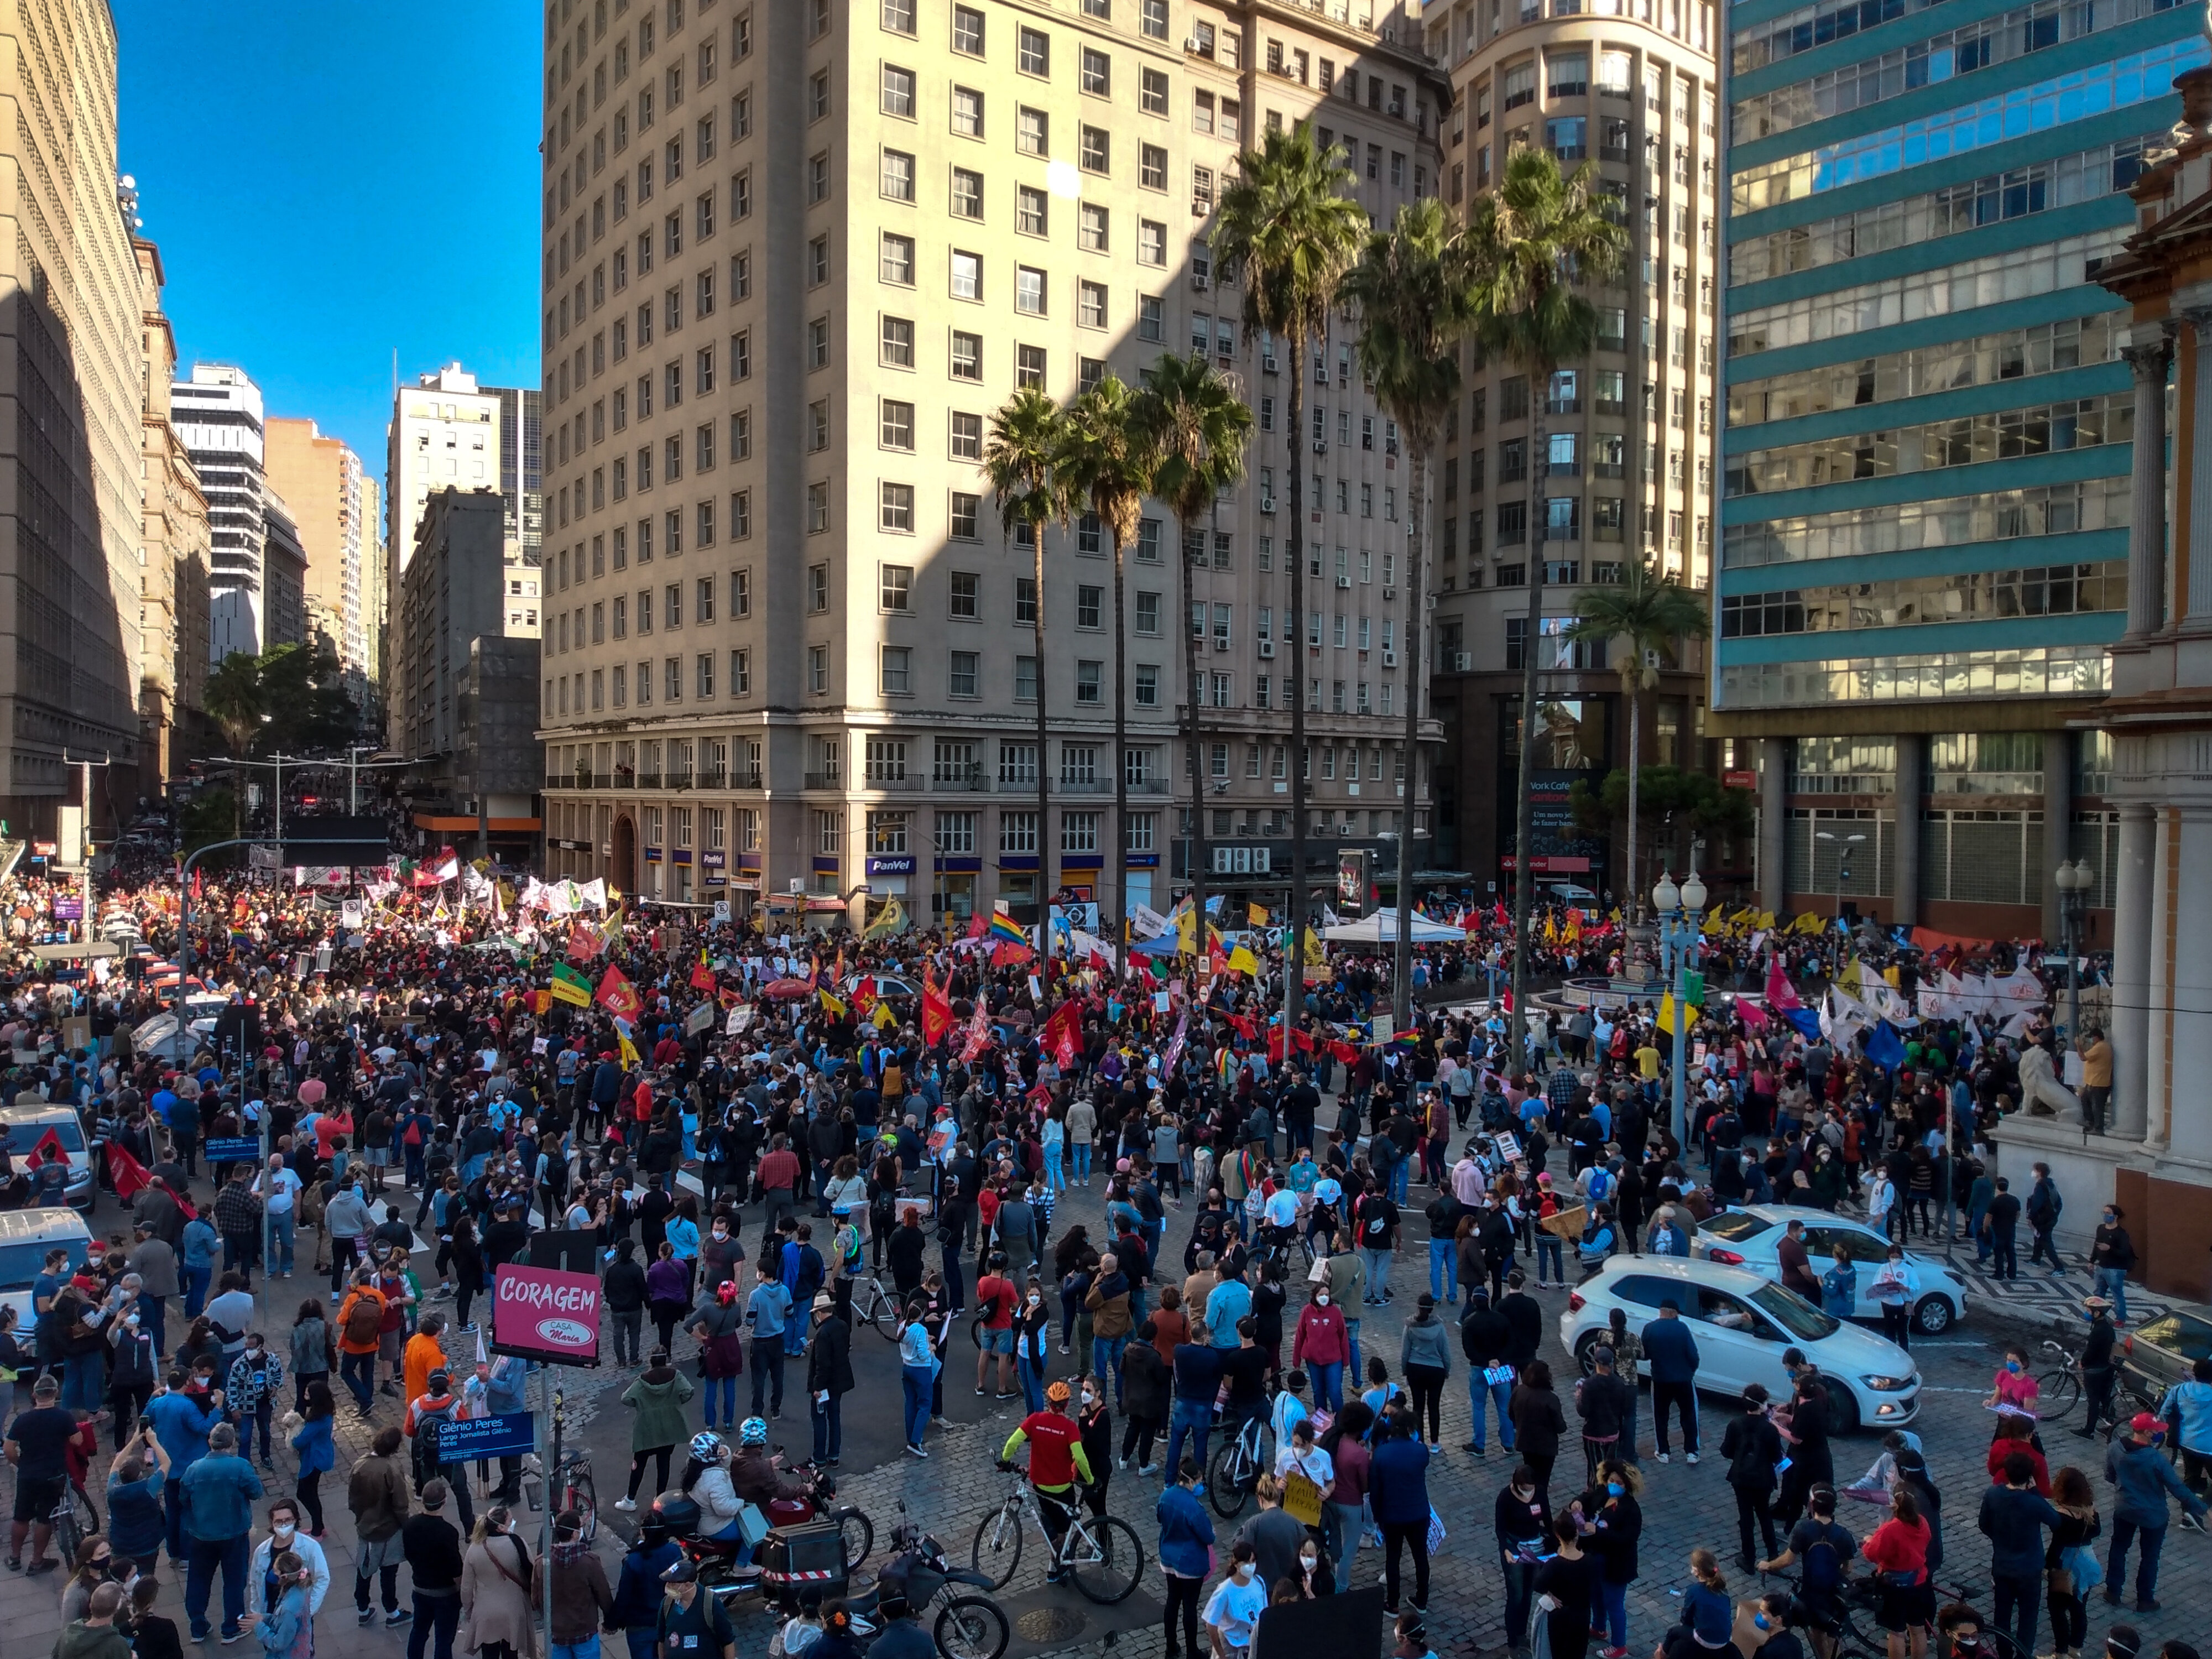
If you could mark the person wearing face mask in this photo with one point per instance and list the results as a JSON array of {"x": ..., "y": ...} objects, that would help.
[
  {"x": 2111, "y": 1255},
  {"x": 499, "y": 1579},
  {"x": 1111, "y": 1319},
  {"x": 1235, "y": 1606},
  {"x": 1096, "y": 1419},
  {"x": 130, "y": 1372},
  {"x": 1320, "y": 1345},
  {"x": 255, "y": 1377},
  {"x": 2098, "y": 1375},
  {"x": 1565, "y": 1586},
  {"x": 1611, "y": 1522},
  {"x": 285, "y": 1536},
  {"x": 1032, "y": 1338},
  {"x": 286, "y": 1626}
]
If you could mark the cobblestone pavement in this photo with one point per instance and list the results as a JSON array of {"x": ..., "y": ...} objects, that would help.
[{"x": 950, "y": 1493}]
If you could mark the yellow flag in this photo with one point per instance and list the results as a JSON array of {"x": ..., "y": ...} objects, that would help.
[
  {"x": 1186, "y": 933},
  {"x": 1667, "y": 1012},
  {"x": 1256, "y": 914},
  {"x": 833, "y": 1006},
  {"x": 883, "y": 1018},
  {"x": 1242, "y": 961},
  {"x": 892, "y": 918},
  {"x": 629, "y": 1049},
  {"x": 1315, "y": 957},
  {"x": 1850, "y": 977}
]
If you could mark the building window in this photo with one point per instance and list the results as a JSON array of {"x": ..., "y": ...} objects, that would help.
[
  {"x": 967, "y": 362},
  {"x": 966, "y": 514},
  {"x": 898, "y": 671},
  {"x": 967, "y": 194},
  {"x": 963, "y": 674},
  {"x": 1089, "y": 680},
  {"x": 897, "y": 510}
]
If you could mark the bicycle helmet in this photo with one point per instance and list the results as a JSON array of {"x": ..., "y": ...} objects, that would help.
[
  {"x": 753, "y": 1432},
  {"x": 1056, "y": 1393},
  {"x": 705, "y": 1444}
]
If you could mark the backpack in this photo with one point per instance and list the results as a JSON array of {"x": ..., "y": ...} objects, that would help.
[
  {"x": 1824, "y": 1565},
  {"x": 365, "y": 1320},
  {"x": 1600, "y": 1186}
]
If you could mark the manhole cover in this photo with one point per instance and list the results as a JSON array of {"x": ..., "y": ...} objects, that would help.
[{"x": 1050, "y": 1625}]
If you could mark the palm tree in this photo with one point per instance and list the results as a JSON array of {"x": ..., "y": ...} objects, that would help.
[
  {"x": 1526, "y": 243},
  {"x": 1107, "y": 460},
  {"x": 1411, "y": 293},
  {"x": 1288, "y": 229},
  {"x": 236, "y": 701},
  {"x": 1021, "y": 458},
  {"x": 1198, "y": 427},
  {"x": 1644, "y": 615}
]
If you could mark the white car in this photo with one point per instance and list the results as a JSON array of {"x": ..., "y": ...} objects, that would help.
[
  {"x": 1743, "y": 1323},
  {"x": 1750, "y": 1238}
]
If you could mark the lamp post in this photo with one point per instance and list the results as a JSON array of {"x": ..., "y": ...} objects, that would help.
[
  {"x": 2075, "y": 881},
  {"x": 1677, "y": 910},
  {"x": 1845, "y": 845}
]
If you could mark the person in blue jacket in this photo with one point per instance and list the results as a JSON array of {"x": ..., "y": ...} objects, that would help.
[
  {"x": 318, "y": 1450},
  {"x": 1185, "y": 1553},
  {"x": 636, "y": 1609},
  {"x": 1398, "y": 1496},
  {"x": 1670, "y": 1360},
  {"x": 181, "y": 1421}
]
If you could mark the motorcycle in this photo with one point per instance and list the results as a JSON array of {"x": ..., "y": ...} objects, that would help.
[
  {"x": 813, "y": 1506},
  {"x": 967, "y": 1626}
]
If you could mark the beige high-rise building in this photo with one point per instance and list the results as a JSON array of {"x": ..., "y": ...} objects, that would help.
[
  {"x": 172, "y": 552},
  {"x": 322, "y": 481},
  {"x": 375, "y": 597},
  {"x": 70, "y": 401},
  {"x": 1626, "y": 87},
  {"x": 446, "y": 434},
  {"x": 795, "y": 255}
]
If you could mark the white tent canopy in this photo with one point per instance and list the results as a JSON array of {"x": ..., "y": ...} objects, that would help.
[{"x": 1382, "y": 928}]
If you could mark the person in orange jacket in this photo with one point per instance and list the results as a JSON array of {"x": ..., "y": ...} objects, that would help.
[
  {"x": 425, "y": 1353},
  {"x": 361, "y": 1328},
  {"x": 428, "y": 1413}
]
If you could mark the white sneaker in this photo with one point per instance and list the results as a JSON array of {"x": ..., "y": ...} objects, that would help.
[
  {"x": 627, "y": 1506},
  {"x": 1693, "y": 1456},
  {"x": 1666, "y": 1457}
]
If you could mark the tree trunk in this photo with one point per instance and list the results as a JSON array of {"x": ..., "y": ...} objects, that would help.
[
  {"x": 1116, "y": 867},
  {"x": 1416, "y": 571},
  {"x": 1634, "y": 906},
  {"x": 1524, "y": 816},
  {"x": 1190, "y": 642},
  {"x": 1294, "y": 951},
  {"x": 1045, "y": 886}
]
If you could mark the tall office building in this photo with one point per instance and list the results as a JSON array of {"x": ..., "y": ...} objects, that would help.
[
  {"x": 1627, "y": 88},
  {"x": 218, "y": 414},
  {"x": 375, "y": 598},
  {"x": 322, "y": 480},
  {"x": 71, "y": 657},
  {"x": 448, "y": 432},
  {"x": 1928, "y": 438},
  {"x": 172, "y": 552},
  {"x": 795, "y": 255}
]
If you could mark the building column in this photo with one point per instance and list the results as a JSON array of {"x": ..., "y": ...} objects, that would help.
[
  {"x": 2058, "y": 826},
  {"x": 1774, "y": 824},
  {"x": 2189, "y": 1122},
  {"x": 2151, "y": 360},
  {"x": 2197, "y": 600},
  {"x": 2131, "y": 945},
  {"x": 1905, "y": 867}
]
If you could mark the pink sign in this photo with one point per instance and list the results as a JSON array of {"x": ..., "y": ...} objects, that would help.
[{"x": 543, "y": 1313}]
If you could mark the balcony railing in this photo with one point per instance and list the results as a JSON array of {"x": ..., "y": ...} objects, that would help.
[
  {"x": 745, "y": 777},
  {"x": 678, "y": 780},
  {"x": 825, "y": 780},
  {"x": 959, "y": 780},
  {"x": 1085, "y": 786},
  {"x": 647, "y": 781}
]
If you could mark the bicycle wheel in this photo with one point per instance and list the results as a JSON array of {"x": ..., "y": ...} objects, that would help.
[
  {"x": 1226, "y": 1472},
  {"x": 884, "y": 1314},
  {"x": 2059, "y": 1390},
  {"x": 578, "y": 1493},
  {"x": 857, "y": 1534},
  {"x": 972, "y": 1627},
  {"x": 997, "y": 1552},
  {"x": 1107, "y": 1560}
]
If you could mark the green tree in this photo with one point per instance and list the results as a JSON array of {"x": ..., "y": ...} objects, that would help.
[
  {"x": 1022, "y": 459},
  {"x": 1108, "y": 461},
  {"x": 1288, "y": 230},
  {"x": 237, "y": 701},
  {"x": 1198, "y": 428},
  {"x": 1527, "y": 243},
  {"x": 1411, "y": 292},
  {"x": 1667, "y": 799},
  {"x": 1644, "y": 617}
]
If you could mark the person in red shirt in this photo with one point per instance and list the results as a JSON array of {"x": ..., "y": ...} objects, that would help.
[
  {"x": 996, "y": 1298},
  {"x": 1056, "y": 1457},
  {"x": 779, "y": 1179},
  {"x": 1898, "y": 1550}
]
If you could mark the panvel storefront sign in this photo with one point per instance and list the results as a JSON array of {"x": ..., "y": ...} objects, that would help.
[{"x": 545, "y": 1313}]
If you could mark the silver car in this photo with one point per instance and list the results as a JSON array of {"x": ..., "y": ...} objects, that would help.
[
  {"x": 28, "y": 1127},
  {"x": 1752, "y": 1236}
]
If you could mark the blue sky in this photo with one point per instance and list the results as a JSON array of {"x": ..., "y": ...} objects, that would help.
[{"x": 329, "y": 182}]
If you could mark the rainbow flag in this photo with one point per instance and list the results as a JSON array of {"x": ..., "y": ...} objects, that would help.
[{"x": 1005, "y": 927}]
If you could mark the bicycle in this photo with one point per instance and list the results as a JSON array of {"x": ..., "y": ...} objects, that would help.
[
  {"x": 874, "y": 1305},
  {"x": 1101, "y": 1553},
  {"x": 73, "y": 1520},
  {"x": 570, "y": 1487},
  {"x": 2059, "y": 1389},
  {"x": 1235, "y": 1468}
]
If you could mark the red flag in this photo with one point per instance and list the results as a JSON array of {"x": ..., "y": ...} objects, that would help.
[
  {"x": 977, "y": 924},
  {"x": 702, "y": 978},
  {"x": 1344, "y": 1052},
  {"x": 199, "y": 886},
  {"x": 49, "y": 1149},
  {"x": 1063, "y": 1034},
  {"x": 1007, "y": 954},
  {"x": 618, "y": 996},
  {"x": 128, "y": 1174},
  {"x": 979, "y": 1034},
  {"x": 936, "y": 1010}
]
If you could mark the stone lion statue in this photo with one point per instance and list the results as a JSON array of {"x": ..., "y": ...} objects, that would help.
[{"x": 2041, "y": 1093}]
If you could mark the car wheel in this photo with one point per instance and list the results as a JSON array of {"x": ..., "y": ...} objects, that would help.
[
  {"x": 1932, "y": 1316},
  {"x": 1843, "y": 1409},
  {"x": 1586, "y": 1345}
]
